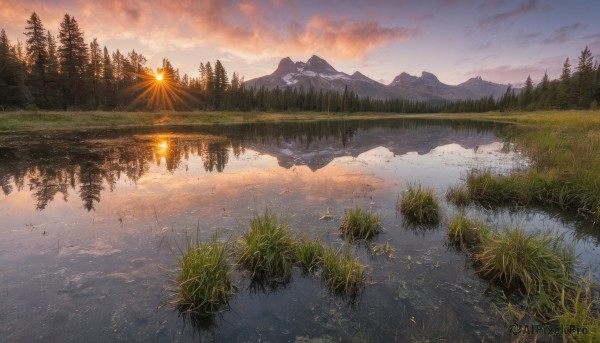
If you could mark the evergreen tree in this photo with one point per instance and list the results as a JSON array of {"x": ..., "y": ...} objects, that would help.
[
  {"x": 53, "y": 92},
  {"x": 73, "y": 57},
  {"x": 564, "y": 88},
  {"x": 94, "y": 77},
  {"x": 525, "y": 98},
  {"x": 585, "y": 79},
  {"x": 36, "y": 49},
  {"x": 108, "y": 81},
  {"x": 13, "y": 92},
  {"x": 221, "y": 84}
]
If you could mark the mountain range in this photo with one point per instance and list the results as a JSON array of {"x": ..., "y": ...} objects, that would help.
[{"x": 320, "y": 75}]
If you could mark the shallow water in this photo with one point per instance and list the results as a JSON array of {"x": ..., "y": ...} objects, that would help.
[{"x": 92, "y": 220}]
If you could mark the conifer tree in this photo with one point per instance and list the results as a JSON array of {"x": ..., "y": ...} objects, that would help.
[
  {"x": 36, "y": 48},
  {"x": 53, "y": 91},
  {"x": 73, "y": 57},
  {"x": 585, "y": 79},
  {"x": 94, "y": 76},
  {"x": 564, "y": 88},
  {"x": 13, "y": 92},
  {"x": 108, "y": 84}
]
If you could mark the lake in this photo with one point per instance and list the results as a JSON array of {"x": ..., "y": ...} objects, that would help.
[{"x": 92, "y": 222}]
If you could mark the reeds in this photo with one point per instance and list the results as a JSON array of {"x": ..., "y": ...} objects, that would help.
[
  {"x": 309, "y": 253},
  {"x": 359, "y": 224},
  {"x": 342, "y": 273},
  {"x": 466, "y": 233},
  {"x": 205, "y": 280},
  {"x": 419, "y": 205},
  {"x": 267, "y": 249}
]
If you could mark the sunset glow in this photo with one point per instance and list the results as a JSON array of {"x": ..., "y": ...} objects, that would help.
[{"x": 502, "y": 41}]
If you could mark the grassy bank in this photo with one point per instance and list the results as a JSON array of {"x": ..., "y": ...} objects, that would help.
[
  {"x": 564, "y": 150},
  {"x": 36, "y": 121}
]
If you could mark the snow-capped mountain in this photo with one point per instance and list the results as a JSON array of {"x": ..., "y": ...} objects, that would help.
[{"x": 319, "y": 74}]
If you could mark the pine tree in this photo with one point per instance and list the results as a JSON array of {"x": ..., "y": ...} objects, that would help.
[
  {"x": 13, "y": 92},
  {"x": 525, "y": 98},
  {"x": 36, "y": 49},
  {"x": 564, "y": 88},
  {"x": 73, "y": 57},
  {"x": 221, "y": 84},
  {"x": 585, "y": 79},
  {"x": 94, "y": 76},
  {"x": 53, "y": 92},
  {"x": 108, "y": 81}
]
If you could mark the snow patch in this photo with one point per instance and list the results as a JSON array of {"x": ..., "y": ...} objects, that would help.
[{"x": 289, "y": 79}]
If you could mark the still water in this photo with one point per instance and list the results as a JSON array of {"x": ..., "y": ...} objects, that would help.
[{"x": 91, "y": 222}]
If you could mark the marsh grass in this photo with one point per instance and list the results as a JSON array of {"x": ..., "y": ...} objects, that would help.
[
  {"x": 342, "y": 273},
  {"x": 580, "y": 310},
  {"x": 359, "y": 224},
  {"x": 268, "y": 249},
  {"x": 538, "y": 264},
  {"x": 564, "y": 150},
  {"x": 458, "y": 195},
  {"x": 419, "y": 205},
  {"x": 466, "y": 233},
  {"x": 205, "y": 281},
  {"x": 309, "y": 253}
]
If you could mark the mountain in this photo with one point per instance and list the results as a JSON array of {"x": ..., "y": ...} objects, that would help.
[{"x": 319, "y": 74}]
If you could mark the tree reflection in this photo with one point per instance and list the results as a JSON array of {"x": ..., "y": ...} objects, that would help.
[{"x": 92, "y": 162}]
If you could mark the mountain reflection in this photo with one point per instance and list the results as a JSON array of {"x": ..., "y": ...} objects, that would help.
[{"x": 91, "y": 162}]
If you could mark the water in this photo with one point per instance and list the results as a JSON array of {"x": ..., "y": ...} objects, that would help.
[{"x": 92, "y": 220}]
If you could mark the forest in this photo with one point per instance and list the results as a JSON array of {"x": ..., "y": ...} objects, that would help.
[{"x": 46, "y": 72}]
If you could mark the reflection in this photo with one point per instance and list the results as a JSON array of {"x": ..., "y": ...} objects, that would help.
[{"x": 91, "y": 162}]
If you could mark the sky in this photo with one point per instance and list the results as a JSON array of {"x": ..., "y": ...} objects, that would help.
[{"x": 500, "y": 40}]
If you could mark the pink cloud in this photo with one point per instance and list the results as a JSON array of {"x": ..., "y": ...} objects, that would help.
[{"x": 243, "y": 28}]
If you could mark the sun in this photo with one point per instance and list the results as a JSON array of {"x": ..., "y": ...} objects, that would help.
[{"x": 159, "y": 77}]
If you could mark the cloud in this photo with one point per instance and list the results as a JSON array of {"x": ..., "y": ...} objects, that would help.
[
  {"x": 252, "y": 29},
  {"x": 563, "y": 34},
  {"x": 524, "y": 8}
]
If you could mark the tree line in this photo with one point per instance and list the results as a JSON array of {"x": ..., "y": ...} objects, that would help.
[{"x": 69, "y": 74}]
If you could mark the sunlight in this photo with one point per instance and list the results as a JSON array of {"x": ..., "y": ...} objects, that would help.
[{"x": 159, "y": 77}]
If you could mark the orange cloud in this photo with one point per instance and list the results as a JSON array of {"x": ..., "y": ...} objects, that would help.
[{"x": 252, "y": 29}]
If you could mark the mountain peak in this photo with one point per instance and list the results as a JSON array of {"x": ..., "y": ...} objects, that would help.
[
  {"x": 286, "y": 64},
  {"x": 429, "y": 76},
  {"x": 317, "y": 64}
]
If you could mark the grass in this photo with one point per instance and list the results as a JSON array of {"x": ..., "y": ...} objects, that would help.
[
  {"x": 359, "y": 224},
  {"x": 420, "y": 206},
  {"x": 309, "y": 253},
  {"x": 341, "y": 271},
  {"x": 458, "y": 195},
  {"x": 564, "y": 150},
  {"x": 536, "y": 263},
  {"x": 205, "y": 280},
  {"x": 267, "y": 249},
  {"x": 466, "y": 233},
  {"x": 580, "y": 312}
]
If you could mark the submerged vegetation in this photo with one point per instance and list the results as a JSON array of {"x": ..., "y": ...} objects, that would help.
[
  {"x": 419, "y": 205},
  {"x": 205, "y": 281},
  {"x": 359, "y": 224}
]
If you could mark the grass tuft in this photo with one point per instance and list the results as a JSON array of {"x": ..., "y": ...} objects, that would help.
[
  {"x": 205, "y": 280},
  {"x": 458, "y": 195},
  {"x": 419, "y": 205},
  {"x": 309, "y": 254},
  {"x": 267, "y": 249},
  {"x": 466, "y": 233},
  {"x": 359, "y": 224},
  {"x": 580, "y": 311},
  {"x": 536, "y": 263},
  {"x": 341, "y": 271}
]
